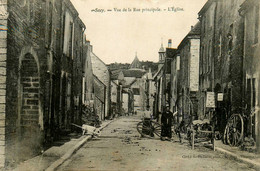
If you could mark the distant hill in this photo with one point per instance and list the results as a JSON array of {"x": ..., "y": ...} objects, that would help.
[
  {"x": 123, "y": 66},
  {"x": 118, "y": 66}
]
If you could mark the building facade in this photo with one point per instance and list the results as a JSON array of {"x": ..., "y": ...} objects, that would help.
[
  {"x": 101, "y": 71},
  {"x": 221, "y": 60},
  {"x": 41, "y": 41},
  {"x": 251, "y": 71},
  {"x": 188, "y": 76}
]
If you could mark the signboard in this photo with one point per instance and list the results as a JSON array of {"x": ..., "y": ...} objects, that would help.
[
  {"x": 220, "y": 97},
  {"x": 210, "y": 101}
]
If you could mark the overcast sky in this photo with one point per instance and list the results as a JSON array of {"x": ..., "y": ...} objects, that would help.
[{"x": 116, "y": 36}]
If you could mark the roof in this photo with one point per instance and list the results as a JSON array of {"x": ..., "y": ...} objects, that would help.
[
  {"x": 195, "y": 30},
  {"x": 157, "y": 73},
  {"x": 206, "y": 6},
  {"x": 114, "y": 74},
  {"x": 171, "y": 52},
  {"x": 135, "y": 64},
  {"x": 246, "y": 5},
  {"x": 194, "y": 33},
  {"x": 161, "y": 50},
  {"x": 96, "y": 78},
  {"x": 133, "y": 73},
  {"x": 112, "y": 81},
  {"x": 132, "y": 82},
  {"x": 93, "y": 55}
]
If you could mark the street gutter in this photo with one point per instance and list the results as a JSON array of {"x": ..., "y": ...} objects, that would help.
[
  {"x": 236, "y": 157},
  {"x": 71, "y": 151}
]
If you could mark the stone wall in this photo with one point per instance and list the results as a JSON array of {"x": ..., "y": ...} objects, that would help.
[
  {"x": 101, "y": 71},
  {"x": 3, "y": 57}
]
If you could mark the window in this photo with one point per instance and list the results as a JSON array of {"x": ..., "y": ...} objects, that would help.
[
  {"x": 136, "y": 91},
  {"x": 230, "y": 39},
  {"x": 31, "y": 11},
  {"x": 49, "y": 23},
  {"x": 204, "y": 25},
  {"x": 256, "y": 23},
  {"x": 178, "y": 63},
  {"x": 209, "y": 56},
  {"x": 201, "y": 60},
  {"x": 70, "y": 39},
  {"x": 220, "y": 46},
  {"x": 68, "y": 35}
]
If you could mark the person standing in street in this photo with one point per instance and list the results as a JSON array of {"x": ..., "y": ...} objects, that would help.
[{"x": 166, "y": 130}]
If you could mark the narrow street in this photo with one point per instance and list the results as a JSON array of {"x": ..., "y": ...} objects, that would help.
[{"x": 120, "y": 148}]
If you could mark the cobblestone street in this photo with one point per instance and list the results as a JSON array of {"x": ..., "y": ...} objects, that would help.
[{"x": 120, "y": 148}]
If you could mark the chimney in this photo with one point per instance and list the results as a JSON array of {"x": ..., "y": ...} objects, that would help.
[
  {"x": 192, "y": 27},
  {"x": 170, "y": 43}
]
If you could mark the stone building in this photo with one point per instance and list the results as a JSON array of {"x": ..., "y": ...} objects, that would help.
[
  {"x": 175, "y": 72},
  {"x": 133, "y": 84},
  {"x": 207, "y": 20},
  {"x": 162, "y": 79},
  {"x": 158, "y": 78},
  {"x": 87, "y": 89},
  {"x": 251, "y": 74},
  {"x": 102, "y": 73},
  {"x": 187, "y": 80},
  {"x": 100, "y": 90},
  {"x": 117, "y": 80},
  {"x": 41, "y": 41},
  {"x": 220, "y": 59},
  {"x": 114, "y": 97},
  {"x": 149, "y": 90}
]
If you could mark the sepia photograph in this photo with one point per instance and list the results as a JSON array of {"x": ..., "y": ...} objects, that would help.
[{"x": 129, "y": 85}]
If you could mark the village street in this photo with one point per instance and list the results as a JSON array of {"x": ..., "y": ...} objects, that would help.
[{"x": 120, "y": 148}]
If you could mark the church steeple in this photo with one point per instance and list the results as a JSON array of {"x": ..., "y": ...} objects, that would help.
[
  {"x": 161, "y": 54},
  {"x": 136, "y": 64}
]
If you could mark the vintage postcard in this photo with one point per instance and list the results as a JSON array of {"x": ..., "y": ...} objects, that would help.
[{"x": 167, "y": 85}]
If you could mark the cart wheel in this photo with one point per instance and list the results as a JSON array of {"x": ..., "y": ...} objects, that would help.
[
  {"x": 149, "y": 129},
  {"x": 234, "y": 131}
]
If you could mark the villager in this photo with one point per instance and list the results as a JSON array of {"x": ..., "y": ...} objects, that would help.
[{"x": 167, "y": 118}]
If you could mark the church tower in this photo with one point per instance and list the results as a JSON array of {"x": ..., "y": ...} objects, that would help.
[
  {"x": 136, "y": 64},
  {"x": 161, "y": 54}
]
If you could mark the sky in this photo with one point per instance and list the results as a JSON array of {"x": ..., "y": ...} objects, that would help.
[{"x": 117, "y": 36}]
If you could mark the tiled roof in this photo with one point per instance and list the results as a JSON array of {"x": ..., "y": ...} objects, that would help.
[
  {"x": 115, "y": 73},
  {"x": 195, "y": 30},
  {"x": 194, "y": 33},
  {"x": 135, "y": 64},
  {"x": 133, "y": 73}
]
